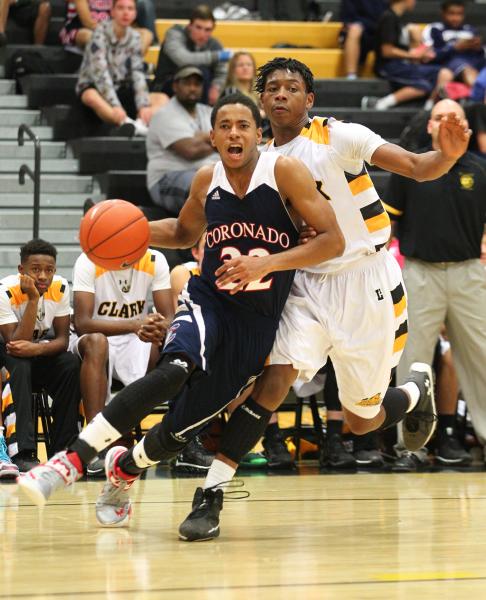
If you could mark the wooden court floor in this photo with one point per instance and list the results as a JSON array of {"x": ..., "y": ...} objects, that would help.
[{"x": 363, "y": 536}]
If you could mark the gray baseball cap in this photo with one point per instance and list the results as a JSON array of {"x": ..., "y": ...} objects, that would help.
[{"x": 187, "y": 72}]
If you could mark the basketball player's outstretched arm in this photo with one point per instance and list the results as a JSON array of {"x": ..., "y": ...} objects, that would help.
[
  {"x": 191, "y": 223},
  {"x": 296, "y": 184},
  {"x": 454, "y": 137}
]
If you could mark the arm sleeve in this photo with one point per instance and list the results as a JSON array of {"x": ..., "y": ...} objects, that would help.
[
  {"x": 84, "y": 275},
  {"x": 140, "y": 88},
  {"x": 353, "y": 144},
  {"x": 176, "y": 49},
  {"x": 100, "y": 73},
  {"x": 162, "y": 273},
  {"x": 64, "y": 307},
  {"x": 395, "y": 197},
  {"x": 7, "y": 315}
]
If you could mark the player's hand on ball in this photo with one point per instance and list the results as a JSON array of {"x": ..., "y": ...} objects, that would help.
[
  {"x": 27, "y": 285},
  {"x": 153, "y": 328},
  {"x": 454, "y": 134},
  {"x": 239, "y": 272}
]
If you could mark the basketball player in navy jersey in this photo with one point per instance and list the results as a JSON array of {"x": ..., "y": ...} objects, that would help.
[{"x": 250, "y": 204}]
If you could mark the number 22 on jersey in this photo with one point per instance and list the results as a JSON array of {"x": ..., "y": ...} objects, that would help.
[{"x": 230, "y": 252}]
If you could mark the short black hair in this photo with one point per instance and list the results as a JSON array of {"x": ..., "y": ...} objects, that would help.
[
  {"x": 237, "y": 98},
  {"x": 37, "y": 246},
  {"x": 202, "y": 12},
  {"x": 284, "y": 64},
  {"x": 448, "y": 3}
]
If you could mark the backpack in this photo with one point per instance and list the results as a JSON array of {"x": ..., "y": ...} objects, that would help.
[{"x": 24, "y": 62}]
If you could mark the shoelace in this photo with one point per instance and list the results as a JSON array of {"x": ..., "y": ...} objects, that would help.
[
  {"x": 236, "y": 494},
  {"x": 424, "y": 416}
]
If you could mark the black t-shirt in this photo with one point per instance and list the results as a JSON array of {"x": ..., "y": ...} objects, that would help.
[
  {"x": 441, "y": 220},
  {"x": 392, "y": 29}
]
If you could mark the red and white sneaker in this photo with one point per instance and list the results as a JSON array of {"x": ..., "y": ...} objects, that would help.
[
  {"x": 113, "y": 506},
  {"x": 42, "y": 481},
  {"x": 8, "y": 470}
]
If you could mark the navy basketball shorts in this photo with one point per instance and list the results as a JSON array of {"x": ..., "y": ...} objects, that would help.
[{"x": 228, "y": 344}]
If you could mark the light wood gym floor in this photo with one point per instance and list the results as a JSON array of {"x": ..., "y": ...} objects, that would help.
[{"x": 304, "y": 536}]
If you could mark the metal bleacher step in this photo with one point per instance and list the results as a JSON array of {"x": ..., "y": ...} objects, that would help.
[
  {"x": 7, "y": 86},
  {"x": 55, "y": 236},
  {"x": 51, "y": 218},
  {"x": 48, "y": 200},
  {"x": 10, "y": 132},
  {"x": 66, "y": 257},
  {"x": 17, "y": 117},
  {"x": 49, "y": 183},
  {"x": 12, "y": 101},
  {"x": 49, "y": 165},
  {"x": 50, "y": 150}
]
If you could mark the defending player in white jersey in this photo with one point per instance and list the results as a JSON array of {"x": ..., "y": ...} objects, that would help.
[{"x": 109, "y": 309}]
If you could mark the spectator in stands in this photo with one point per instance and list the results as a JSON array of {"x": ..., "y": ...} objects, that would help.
[
  {"x": 402, "y": 64},
  {"x": 178, "y": 142},
  {"x": 109, "y": 308},
  {"x": 440, "y": 227},
  {"x": 34, "y": 330},
  {"x": 360, "y": 19},
  {"x": 457, "y": 46},
  {"x": 241, "y": 76},
  {"x": 32, "y": 14},
  {"x": 193, "y": 45},
  {"x": 84, "y": 16},
  {"x": 111, "y": 79}
]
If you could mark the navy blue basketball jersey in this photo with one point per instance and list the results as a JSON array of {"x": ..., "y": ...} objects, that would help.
[{"x": 256, "y": 225}]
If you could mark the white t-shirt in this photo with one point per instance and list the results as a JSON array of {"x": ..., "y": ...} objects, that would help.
[
  {"x": 335, "y": 153},
  {"x": 122, "y": 294},
  {"x": 53, "y": 303}
]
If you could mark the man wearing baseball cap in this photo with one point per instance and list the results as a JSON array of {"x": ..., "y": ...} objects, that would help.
[{"x": 178, "y": 141}]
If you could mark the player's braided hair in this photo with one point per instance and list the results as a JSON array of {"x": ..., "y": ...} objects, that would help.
[
  {"x": 37, "y": 246},
  {"x": 285, "y": 64}
]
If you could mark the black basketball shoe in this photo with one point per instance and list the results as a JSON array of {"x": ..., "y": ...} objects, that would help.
[
  {"x": 419, "y": 424},
  {"x": 194, "y": 458},
  {"x": 276, "y": 452},
  {"x": 450, "y": 450},
  {"x": 203, "y": 521},
  {"x": 334, "y": 455}
]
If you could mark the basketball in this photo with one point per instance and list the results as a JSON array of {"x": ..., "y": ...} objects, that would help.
[{"x": 114, "y": 234}]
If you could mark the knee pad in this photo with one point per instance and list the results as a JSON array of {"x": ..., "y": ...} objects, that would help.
[{"x": 245, "y": 427}]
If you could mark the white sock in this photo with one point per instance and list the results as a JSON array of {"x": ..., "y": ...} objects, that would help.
[
  {"x": 351, "y": 76},
  {"x": 386, "y": 102},
  {"x": 218, "y": 473},
  {"x": 413, "y": 392},
  {"x": 99, "y": 433},
  {"x": 140, "y": 456}
]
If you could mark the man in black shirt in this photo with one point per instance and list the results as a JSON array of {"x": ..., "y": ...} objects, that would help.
[
  {"x": 403, "y": 65},
  {"x": 440, "y": 225}
]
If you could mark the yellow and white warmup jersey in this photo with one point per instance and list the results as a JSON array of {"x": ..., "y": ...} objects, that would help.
[
  {"x": 122, "y": 294},
  {"x": 335, "y": 153},
  {"x": 53, "y": 303}
]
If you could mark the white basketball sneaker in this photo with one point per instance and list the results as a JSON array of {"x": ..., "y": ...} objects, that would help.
[
  {"x": 113, "y": 506},
  {"x": 42, "y": 481}
]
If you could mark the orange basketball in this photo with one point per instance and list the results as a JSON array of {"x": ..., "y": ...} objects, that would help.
[{"x": 114, "y": 234}]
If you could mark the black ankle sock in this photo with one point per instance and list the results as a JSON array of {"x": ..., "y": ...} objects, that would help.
[
  {"x": 446, "y": 422},
  {"x": 396, "y": 403},
  {"x": 334, "y": 426},
  {"x": 127, "y": 464}
]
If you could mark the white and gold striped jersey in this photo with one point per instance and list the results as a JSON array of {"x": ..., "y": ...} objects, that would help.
[
  {"x": 336, "y": 152},
  {"x": 53, "y": 303},
  {"x": 122, "y": 294}
]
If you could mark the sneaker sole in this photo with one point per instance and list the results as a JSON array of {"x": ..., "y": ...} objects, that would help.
[
  {"x": 422, "y": 368},
  {"x": 454, "y": 461},
  {"x": 206, "y": 539},
  {"x": 32, "y": 491}
]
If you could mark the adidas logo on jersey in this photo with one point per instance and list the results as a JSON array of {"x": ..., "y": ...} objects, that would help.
[{"x": 215, "y": 195}]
